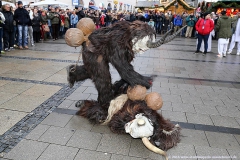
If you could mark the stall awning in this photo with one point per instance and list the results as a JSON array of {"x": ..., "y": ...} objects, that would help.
[{"x": 147, "y": 4}]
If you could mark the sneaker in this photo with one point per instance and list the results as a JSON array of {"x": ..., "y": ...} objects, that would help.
[
  {"x": 6, "y": 50},
  {"x": 20, "y": 47},
  {"x": 224, "y": 55},
  {"x": 238, "y": 53},
  {"x": 196, "y": 52},
  {"x": 2, "y": 52},
  {"x": 219, "y": 55},
  {"x": 26, "y": 47},
  {"x": 15, "y": 46},
  {"x": 32, "y": 44},
  {"x": 11, "y": 49},
  {"x": 229, "y": 52}
]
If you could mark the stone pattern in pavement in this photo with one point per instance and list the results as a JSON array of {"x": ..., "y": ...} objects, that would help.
[{"x": 195, "y": 89}]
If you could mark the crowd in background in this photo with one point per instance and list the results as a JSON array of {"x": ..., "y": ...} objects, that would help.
[{"x": 23, "y": 26}]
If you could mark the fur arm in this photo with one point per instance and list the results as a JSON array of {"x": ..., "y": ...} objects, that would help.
[{"x": 126, "y": 71}]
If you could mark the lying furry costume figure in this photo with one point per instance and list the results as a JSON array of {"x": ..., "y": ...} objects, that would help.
[{"x": 117, "y": 45}]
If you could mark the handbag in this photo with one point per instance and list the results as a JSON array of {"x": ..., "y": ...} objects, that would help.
[{"x": 45, "y": 28}]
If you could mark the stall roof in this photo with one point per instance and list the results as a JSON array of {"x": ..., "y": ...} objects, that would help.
[{"x": 147, "y": 3}]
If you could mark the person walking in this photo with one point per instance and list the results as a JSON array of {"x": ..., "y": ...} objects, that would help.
[
  {"x": 177, "y": 23},
  {"x": 223, "y": 26},
  {"x": 191, "y": 20},
  {"x": 36, "y": 26},
  {"x": 203, "y": 27},
  {"x": 236, "y": 35}
]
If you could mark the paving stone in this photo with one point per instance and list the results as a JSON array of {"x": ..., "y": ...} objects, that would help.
[
  {"x": 174, "y": 116},
  {"x": 181, "y": 151},
  {"x": 24, "y": 103},
  {"x": 59, "y": 78},
  {"x": 27, "y": 150},
  {"x": 237, "y": 137},
  {"x": 203, "y": 109},
  {"x": 15, "y": 87},
  {"x": 138, "y": 149},
  {"x": 171, "y": 98},
  {"x": 210, "y": 153},
  {"x": 199, "y": 119},
  {"x": 101, "y": 129},
  {"x": 234, "y": 154},
  {"x": 227, "y": 141},
  {"x": 6, "y": 96},
  {"x": 224, "y": 121},
  {"x": 93, "y": 97},
  {"x": 66, "y": 104},
  {"x": 176, "y": 91},
  {"x": 194, "y": 137},
  {"x": 90, "y": 90},
  {"x": 85, "y": 139},
  {"x": 56, "y": 119},
  {"x": 167, "y": 106},
  {"x": 183, "y": 107},
  {"x": 229, "y": 112},
  {"x": 4, "y": 82},
  {"x": 161, "y": 90},
  {"x": 121, "y": 157},
  {"x": 87, "y": 154},
  {"x": 57, "y": 135},
  {"x": 41, "y": 90},
  {"x": 37, "y": 132},
  {"x": 81, "y": 89},
  {"x": 78, "y": 96},
  {"x": 57, "y": 152},
  {"x": 78, "y": 122},
  {"x": 9, "y": 118},
  {"x": 191, "y": 99},
  {"x": 113, "y": 143},
  {"x": 168, "y": 85}
]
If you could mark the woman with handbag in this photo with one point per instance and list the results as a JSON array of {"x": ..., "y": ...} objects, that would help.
[{"x": 44, "y": 22}]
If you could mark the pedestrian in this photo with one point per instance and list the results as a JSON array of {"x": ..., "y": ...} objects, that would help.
[
  {"x": 203, "y": 27},
  {"x": 151, "y": 23},
  {"x": 8, "y": 34},
  {"x": 21, "y": 16},
  {"x": 36, "y": 26},
  {"x": 2, "y": 23},
  {"x": 30, "y": 27},
  {"x": 73, "y": 20},
  {"x": 66, "y": 22},
  {"x": 236, "y": 34},
  {"x": 44, "y": 22},
  {"x": 223, "y": 26},
  {"x": 177, "y": 23},
  {"x": 55, "y": 19},
  {"x": 191, "y": 20}
]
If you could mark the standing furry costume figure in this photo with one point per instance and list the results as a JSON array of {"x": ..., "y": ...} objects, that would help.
[{"x": 117, "y": 45}]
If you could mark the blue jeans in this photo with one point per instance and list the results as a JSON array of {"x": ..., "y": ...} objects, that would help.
[
  {"x": 200, "y": 39},
  {"x": 158, "y": 27},
  {"x": 1, "y": 36},
  {"x": 22, "y": 35}
]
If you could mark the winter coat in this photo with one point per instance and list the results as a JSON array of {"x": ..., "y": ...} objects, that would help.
[
  {"x": 2, "y": 19},
  {"x": 36, "y": 23},
  {"x": 177, "y": 21},
  {"x": 191, "y": 21},
  {"x": 224, "y": 27},
  {"x": 80, "y": 14},
  {"x": 73, "y": 19},
  {"x": 158, "y": 18},
  {"x": 54, "y": 17},
  {"x": 44, "y": 19},
  {"x": 204, "y": 29},
  {"x": 21, "y": 16},
  {"x": 66, "y": 22},
  {"x": 8, "y": 23}
]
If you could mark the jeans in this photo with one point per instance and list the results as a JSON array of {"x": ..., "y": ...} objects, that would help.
[
  {"x": 1, "y": 35},
  {"x": 200, "y": 39},
  {"x": 22, "y": 35},
  {"x": 158, "y": 27},
  {"x": 73, "y": 25},
  {"x": 30, "y": 35}
]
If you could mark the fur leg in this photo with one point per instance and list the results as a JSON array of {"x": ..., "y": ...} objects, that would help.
[
  {"x": 120, "y": 87},
  {"x": 92, "y": 110}
]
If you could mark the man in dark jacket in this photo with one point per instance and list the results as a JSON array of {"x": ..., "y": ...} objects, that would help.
[
  {"x": 8, "y": 36},
  {"x": 21, "y": 16},
  {"x": 80, "y": 13}
]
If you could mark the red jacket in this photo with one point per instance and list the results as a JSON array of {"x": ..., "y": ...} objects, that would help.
[{"x": 208, "y": 26}]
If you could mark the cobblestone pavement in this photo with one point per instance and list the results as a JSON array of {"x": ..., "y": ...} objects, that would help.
[{"x": 37, "y": 113}]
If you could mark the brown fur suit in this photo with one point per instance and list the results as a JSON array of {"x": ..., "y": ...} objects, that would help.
[{"x": 109, "y": 45}]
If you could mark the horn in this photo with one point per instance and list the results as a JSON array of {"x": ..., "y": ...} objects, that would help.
[
  {"x": 153, "y": 148},
  {"x": 169, "y": 38},
  {"x": 159, "y": 42}
]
